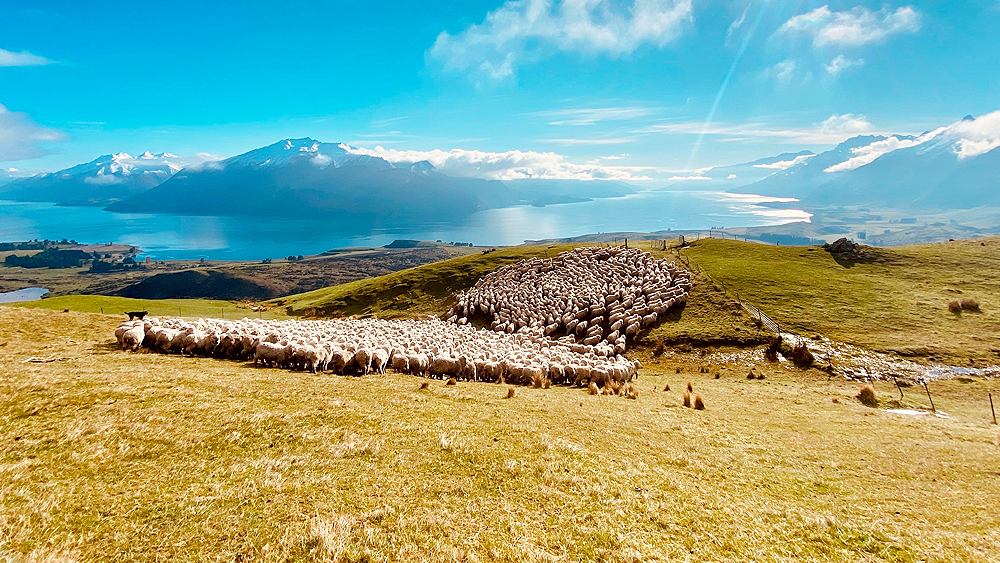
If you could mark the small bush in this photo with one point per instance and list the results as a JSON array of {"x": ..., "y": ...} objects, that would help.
[
  {"x": 698, "y": 403},
  {"x": 867, "y": 396},
  {"x": 687, "y": 399},
  {"x": 658, "y": 346},
  {"x": 970, "y": 305}
]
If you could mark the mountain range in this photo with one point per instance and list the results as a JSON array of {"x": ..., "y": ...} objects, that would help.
[
  {"x": 952, "y": 167},
  {"x": 293, "y": 178}
]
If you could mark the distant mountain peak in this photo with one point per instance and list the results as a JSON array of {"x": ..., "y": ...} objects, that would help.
[{"x": 968, "y": 118}]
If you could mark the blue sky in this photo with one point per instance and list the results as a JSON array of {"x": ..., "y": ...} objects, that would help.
[{"x": 622, "y": 89}]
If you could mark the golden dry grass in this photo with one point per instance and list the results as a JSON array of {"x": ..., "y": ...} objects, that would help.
[{"x": 110, "y": 456}]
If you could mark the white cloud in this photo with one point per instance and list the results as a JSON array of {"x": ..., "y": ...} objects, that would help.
[
  {"x": 783, "y": 71},
  {"x": 840, "y": 63},
  {"x": 527, "y": 30},
  {"x": 976, "y": 137},
  {"x": 737, "y": 24},
  {"x": 731, "y": 177},
  {"x": 21, "y": 138},
  {"x": 509, "y": 165},
  {"x": 24, "y": 58},
  {"x": 868, "y": 153},
  {"x": 590, "y": 116},
  {"x": 697, "y": 178},
  {"x": 833, "y": 130},
  {"x": 785, "y": 164},
  {"x": 855, "y": 27}
]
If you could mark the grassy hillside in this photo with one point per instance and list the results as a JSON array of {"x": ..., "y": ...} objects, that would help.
[
  {"x": 111, "y": 456},
  {"x": 156, "y": 307},
  {"x": 710, "y": 317},
  {"x": 897, "y": 302}
]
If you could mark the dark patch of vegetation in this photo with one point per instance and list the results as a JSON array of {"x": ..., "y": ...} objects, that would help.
[
  {"x": 199, "y": 284},
  {"x": 52, "y": 257}
]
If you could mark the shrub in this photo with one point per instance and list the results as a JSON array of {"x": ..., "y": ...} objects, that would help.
[
  {"x": 698, "y": 403},
  {"x": 658, "y": 346},
  {"x": 867, "y": 396}
]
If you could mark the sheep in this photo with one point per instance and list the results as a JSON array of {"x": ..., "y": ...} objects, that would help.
[
  {"x": 380, "y": 358},
  {"x": 363, "y": 360},
  {"x": 270, "y": 354},
  {"x": 132, "y": 338}
]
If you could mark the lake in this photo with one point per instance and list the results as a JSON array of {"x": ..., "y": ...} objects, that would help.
[
  {"x": 171, "y": 237},
  {"x": 26, "y": 294}
]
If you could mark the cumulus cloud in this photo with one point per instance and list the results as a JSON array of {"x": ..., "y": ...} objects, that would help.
[
  {"x": 840, "y": 63},
  {"x": 21, "y": 138},
  {"x": 855, "y": 27},
  {"x": 508, "y": 165},
  {"x": 785, "y": 164},
  {"x": 527, "y": 30},
  {"x": 731, "y": 177},
  {"x": 24, "y": 58}
]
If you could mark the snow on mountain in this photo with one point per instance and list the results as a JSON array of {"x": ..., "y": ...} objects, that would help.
[{"x": 107, "y": 178}]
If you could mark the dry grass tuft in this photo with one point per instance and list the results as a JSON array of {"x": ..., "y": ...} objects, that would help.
[
  {"x": 836, "y": 400},
  {"x": 451, "y": 381},
  {"x": 546, "y": 383},
  {"x": 801, "y": 356},
  {"x": 425, "y": 385},
  {"x": 690, "y": 387},
  {"x": 867, "y": 396},
  {"x": 666, "y": 387},
  {"x": 687, "y": 399},
  {"x": 511, "y": 392},
  {"x": 698, "y": 403},
  {"x": 593, "y": 389},
  {"x": 955, "y": 307},
  {"x": 658, "y": 346},
  {"x": 751, "y": 375}
]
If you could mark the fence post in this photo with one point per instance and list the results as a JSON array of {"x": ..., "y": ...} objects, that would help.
[
  {"x": 929, "y": 397},
  {"x": 991, "y": 409}
]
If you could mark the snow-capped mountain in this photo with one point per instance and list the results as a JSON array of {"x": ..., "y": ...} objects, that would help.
[
  {"x": 106, "y": 179},
  {"x": 952, "y": 167},
  {"x": 307, "y": 178}
]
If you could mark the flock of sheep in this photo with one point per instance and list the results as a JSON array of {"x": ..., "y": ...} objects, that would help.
[
  {"x": 360, "y": 346},
  {"x": 563, "y": 320},
  {"x": 588, "y": 297}
]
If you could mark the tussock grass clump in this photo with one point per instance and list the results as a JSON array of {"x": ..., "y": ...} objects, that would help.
[
  {"x": 687, "y": 399},
  {"x": 511, "y": 392},
  {"x": 699, "y": 404},
  {"x": 425, "y": 385},
  {"x": 451, "y": 381},
  {"x": 955, "y": 307},
  {"x": 690, "y": 387},
  {"x": 666, "y": 387},
  {"x": 658, "y": 346},
  {"x": 867, "y": 396},
  {"x": 593, "y": 389},
  {"x": 751, "y": 375}
]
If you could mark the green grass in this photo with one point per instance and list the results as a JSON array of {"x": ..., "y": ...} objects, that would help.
[
  {"x": 899, "y": 302},
  {"x": 111, "y": 456},
  {"x": 156, "y": 307}
]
